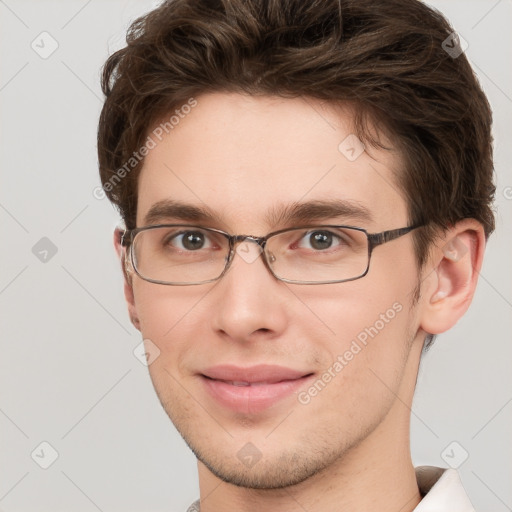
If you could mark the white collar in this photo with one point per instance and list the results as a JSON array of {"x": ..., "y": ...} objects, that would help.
[{"x": 442, "y": 491}]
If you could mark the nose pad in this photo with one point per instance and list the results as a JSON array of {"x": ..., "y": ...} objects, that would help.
[{"x": 270, "y": 257}]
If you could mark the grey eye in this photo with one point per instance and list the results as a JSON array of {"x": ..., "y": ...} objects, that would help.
[
  {"x": 321, "y": 240},
  {"x": 193, "y": 240}
]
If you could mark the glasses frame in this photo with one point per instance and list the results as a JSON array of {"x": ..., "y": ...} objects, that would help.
[{"x": 374, "y": 240}]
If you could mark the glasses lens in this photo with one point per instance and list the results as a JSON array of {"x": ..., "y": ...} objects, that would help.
[
  {"x": 179, "y": 254},
  {"x": 318, "y": 254}
]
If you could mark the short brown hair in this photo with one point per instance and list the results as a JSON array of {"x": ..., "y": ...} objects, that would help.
[{"x": 386, "y": 57}]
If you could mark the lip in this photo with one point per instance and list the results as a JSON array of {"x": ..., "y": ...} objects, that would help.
[{"x": 253, "y": 389}]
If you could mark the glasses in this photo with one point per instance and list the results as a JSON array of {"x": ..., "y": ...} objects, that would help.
[{"x": 177, "y": 254}]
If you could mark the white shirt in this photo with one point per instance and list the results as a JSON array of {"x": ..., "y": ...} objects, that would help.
[{"x": 441, "y": 489}]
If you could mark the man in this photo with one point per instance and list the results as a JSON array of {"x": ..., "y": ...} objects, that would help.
[{"x": 306, "y": 189}]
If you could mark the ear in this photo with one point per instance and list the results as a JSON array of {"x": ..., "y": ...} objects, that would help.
[
  {"x": 454, "y": 266},
  {"x": 128, "y": 276}
]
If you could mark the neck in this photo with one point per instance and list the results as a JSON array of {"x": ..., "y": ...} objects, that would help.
[
  {"x": 376, "y": 474},
  {"x": 384, "y": 482}
]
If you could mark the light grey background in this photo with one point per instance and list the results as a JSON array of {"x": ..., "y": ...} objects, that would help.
[{"x": 68, "y": 374}]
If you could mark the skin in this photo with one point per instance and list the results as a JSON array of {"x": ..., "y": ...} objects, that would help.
[{"x": 348, "y": 448}]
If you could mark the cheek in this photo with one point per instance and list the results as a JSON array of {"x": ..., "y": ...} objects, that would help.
[
  {"x": 362, "y": 309},
  {"x": 163, "y": 310},
  {"x": 371, "y": 326},
  {"x": 168, "y": 318},
  {"x": 363, "y": 366}
]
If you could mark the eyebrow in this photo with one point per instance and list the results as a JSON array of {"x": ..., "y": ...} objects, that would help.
[
  {"x": 291, "y": 214},
  {"x": 299, "y": 213},
  {"x": 170, "y": 209}
]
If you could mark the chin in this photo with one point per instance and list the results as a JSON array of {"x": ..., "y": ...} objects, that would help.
[
  {"x": 267, "y": 476},
  {"x": 273, "y": 471}
]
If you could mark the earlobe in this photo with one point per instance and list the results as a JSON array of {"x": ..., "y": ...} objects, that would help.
[
  {"x": 453, "y": 280},
  {"x": 135, "y": 320},
  {"x": 128, "y": 276}
]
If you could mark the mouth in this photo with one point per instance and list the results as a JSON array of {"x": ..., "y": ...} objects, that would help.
[
  {"x": 242, "y": 383},
  {"x": 254, "y": 389}
]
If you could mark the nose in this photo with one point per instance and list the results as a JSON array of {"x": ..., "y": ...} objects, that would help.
[{"x": 249, "y": 302}]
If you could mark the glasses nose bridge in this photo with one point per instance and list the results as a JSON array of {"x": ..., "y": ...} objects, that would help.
[{"x": 260, "y": 240}]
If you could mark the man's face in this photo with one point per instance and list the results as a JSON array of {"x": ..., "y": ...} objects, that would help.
[{"x": 243, "y": 158}]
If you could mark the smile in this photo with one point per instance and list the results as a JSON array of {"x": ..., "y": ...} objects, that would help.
[{"x": 261, "y": 387}]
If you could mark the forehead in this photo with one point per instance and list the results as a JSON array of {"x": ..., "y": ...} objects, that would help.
[{"x": 244, "y": 158}]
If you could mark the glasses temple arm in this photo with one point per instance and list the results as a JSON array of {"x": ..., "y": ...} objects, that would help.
[{"x": 376, "y": 239}]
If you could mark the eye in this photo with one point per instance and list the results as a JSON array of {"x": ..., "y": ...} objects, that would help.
[
  {"x": 319, "y": 240},
  {"x": 190, "y": 241}
]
